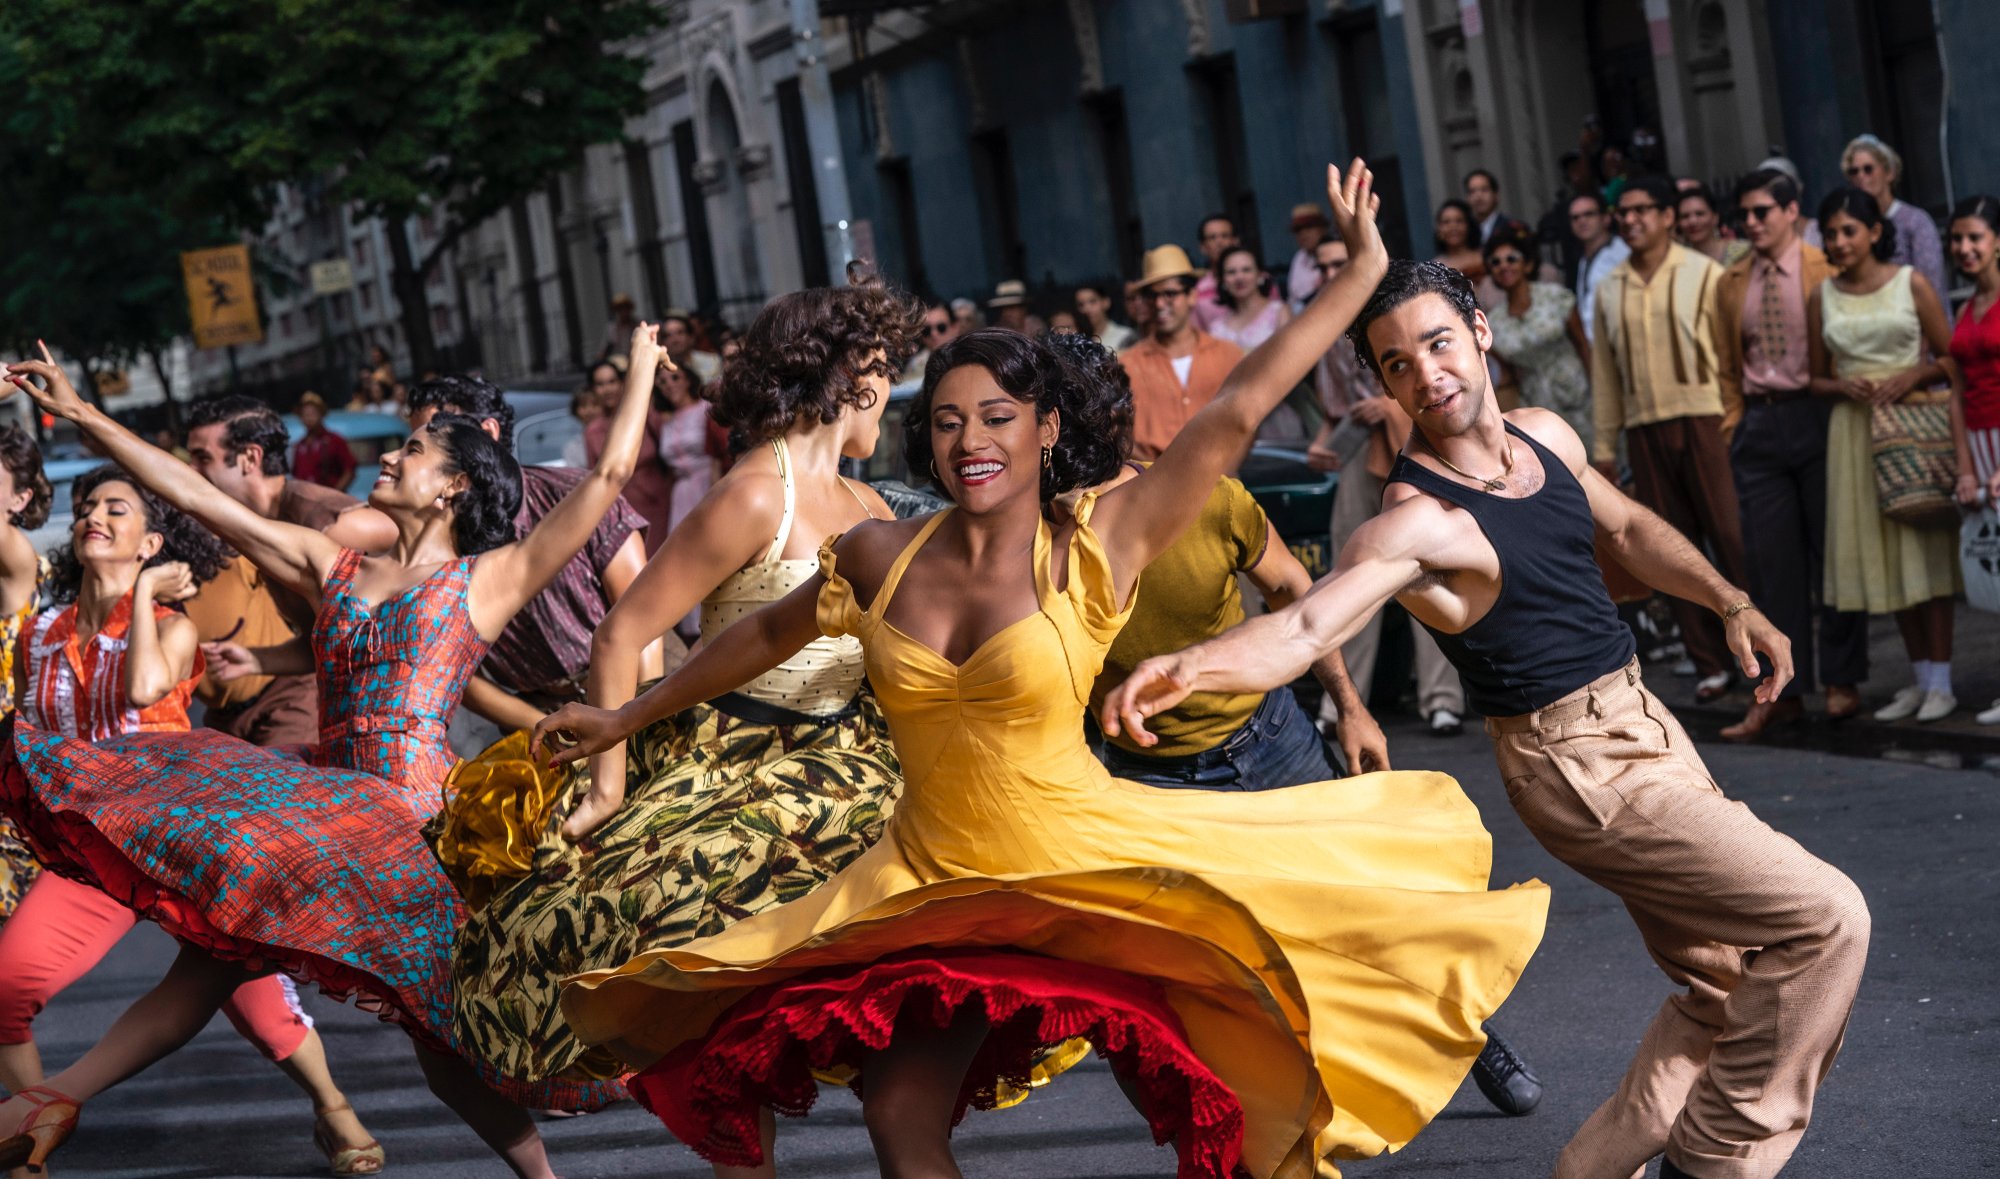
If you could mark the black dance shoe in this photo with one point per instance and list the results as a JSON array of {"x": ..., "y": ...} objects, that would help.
[{"x": 1505, "y": 1078}]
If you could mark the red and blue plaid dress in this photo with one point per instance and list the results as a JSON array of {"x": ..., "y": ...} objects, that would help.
[{"x": 308, "y": 860}]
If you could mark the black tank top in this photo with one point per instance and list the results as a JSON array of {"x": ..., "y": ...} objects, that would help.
[{"x": 1553, "y": 628}]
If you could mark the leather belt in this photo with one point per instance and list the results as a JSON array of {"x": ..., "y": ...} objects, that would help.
[{"x": 1775, "y": 396}]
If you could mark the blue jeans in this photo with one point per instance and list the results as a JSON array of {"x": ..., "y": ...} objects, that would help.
[{"x": 1278, "y": 746}]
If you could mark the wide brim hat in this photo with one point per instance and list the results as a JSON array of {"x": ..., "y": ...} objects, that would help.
[
  {"x": 1011, "y": 293},
  {"x": 1304, "y": 216},
  {"x": 1164, "y": 262}
]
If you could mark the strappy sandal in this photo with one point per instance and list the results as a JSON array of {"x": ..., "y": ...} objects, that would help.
[
  {"x": 346, "y": 1160},
  {"x": 47, "y": 1126}
]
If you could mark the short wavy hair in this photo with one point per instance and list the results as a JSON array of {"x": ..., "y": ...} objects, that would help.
[
  {"x": 185, "y": 538},
  {"x": 247, "y": 422},
  {"x": 1071, "y": 375},
  {"x": 805, "y": 356},
  {"x": 475, "y": 397},
  {"x": 22, "y": 456},
  {"x": 1406, "y": 280}
]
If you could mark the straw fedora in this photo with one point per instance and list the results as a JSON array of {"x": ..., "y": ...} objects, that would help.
[
  {"x": 1306, "y": 215},
  {"x": 1164, "y": 262},
  {"x": 1011, "y": 293}
]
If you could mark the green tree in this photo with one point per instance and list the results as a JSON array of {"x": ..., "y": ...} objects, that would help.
[{"x": 454, "y": 108}]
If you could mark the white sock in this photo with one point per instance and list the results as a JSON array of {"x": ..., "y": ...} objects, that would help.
[
  {"x": 1941, "y": 676},
  {"x": 1923, "y": 670}
]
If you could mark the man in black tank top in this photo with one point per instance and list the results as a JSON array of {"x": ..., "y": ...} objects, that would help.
[{"x": 1486, "y": 538}]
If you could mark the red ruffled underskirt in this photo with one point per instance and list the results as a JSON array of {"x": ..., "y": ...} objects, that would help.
[{"x": 764, "y": 1050}]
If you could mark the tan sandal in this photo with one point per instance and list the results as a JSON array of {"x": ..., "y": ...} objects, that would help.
[
  {"x": 347, "y": 1160},
  {"x": 51, "y": 1118}
]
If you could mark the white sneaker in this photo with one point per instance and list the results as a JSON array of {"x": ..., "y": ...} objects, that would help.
[
  {"x": 1903, "y": 706},
  {"x": 1991, "y": 716},
  {"x": 1937, "y": 706},
  {"x": 1684, "y": 667},
  {"x": 1446, "y": 723}
]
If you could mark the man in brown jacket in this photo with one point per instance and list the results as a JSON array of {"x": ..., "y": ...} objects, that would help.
[
  {"x": 1177, "y": 368},
  {"x": 1777, "y": 451}
]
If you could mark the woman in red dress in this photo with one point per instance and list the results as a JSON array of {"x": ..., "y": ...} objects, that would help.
[{"x": 258, "y": 861}]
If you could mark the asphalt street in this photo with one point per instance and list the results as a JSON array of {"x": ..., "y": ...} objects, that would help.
[{"x": 1914, "y": 1093}]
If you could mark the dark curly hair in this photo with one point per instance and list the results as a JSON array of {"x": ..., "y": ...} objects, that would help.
[
  {"x": 460, "y": 393},
  {"x": 805, "y": 355},
  {"x": 185, "y": 539},
  {"x": 1265, "y": 282},
  {"x": 696, "y": 388},
  {"x": 483, "y": 515},
  {"x": 1471, "y": 224},
  {"x": 1072, "y": 375},
  {"x": 250, "y": 423},
  {"x": 22, "y": 457},
  {"x": 1862, "y": 207},
  {"x": 1404, "y": 281}
]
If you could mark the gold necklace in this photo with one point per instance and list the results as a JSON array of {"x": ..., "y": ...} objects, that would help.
[{"x": 1496, "y": 483}]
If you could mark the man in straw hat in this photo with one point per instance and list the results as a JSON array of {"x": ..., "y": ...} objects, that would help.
[
  {"x": 1177, "y": 368},
  {"x": 1309, "y": 230},
  {"x": 1009, "y": 305}
]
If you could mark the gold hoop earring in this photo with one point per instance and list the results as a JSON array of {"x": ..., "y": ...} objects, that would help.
[
  {"x": 935, "y": 477},
  {"x": 1048, "y": 454}
]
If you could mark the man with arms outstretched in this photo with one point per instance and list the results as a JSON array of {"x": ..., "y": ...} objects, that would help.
[{"x": 1486, "y": 538}]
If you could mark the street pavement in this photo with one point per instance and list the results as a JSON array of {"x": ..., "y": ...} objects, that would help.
[{"x": 1914, "y": 1093}]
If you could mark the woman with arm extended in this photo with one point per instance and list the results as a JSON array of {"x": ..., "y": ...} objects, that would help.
[
  {"x": 1237, "y": 972},
  {"x": 771, "y": 787},
  {"x": 317, "y": 868}
]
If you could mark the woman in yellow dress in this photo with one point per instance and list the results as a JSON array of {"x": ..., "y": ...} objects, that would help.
[{"x": 1281, "y": 979}]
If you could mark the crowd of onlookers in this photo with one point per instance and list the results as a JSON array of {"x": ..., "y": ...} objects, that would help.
[{"x": 1781, "y": 378}]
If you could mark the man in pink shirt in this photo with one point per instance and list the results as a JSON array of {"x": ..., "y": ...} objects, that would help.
[{"x": 1777, "y": 432}]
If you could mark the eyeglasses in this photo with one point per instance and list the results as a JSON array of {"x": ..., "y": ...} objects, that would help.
[
  {"x": 1865, "y": 168},
  {"x": 1636, "y": 210},
  {"x": 1758, "y": 212},
  {"x": 1587, "y": 214},
  {"x": 1163, "y": 294},
  {"x": 1505, "y": 260},
  {"x": 937, "y": 329}
]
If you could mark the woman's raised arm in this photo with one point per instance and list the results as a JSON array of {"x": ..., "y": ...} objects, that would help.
[
  {"x": 504, "y": 579},
  {"x": 296, "y": 558},
  {"x": 1139, "y": 519}
]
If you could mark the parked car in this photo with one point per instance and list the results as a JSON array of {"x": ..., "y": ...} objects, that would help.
[
  {"x": 1298, "y": 499},
  {"x": 546, "y": 433}
]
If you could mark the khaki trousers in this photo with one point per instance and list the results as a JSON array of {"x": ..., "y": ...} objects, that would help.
[
  {"x": 1357, "y": 499},
  {"x": 1768, "y": 940}
]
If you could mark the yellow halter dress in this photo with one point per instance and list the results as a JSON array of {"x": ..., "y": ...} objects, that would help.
[{"x": 1318, "y": 957}]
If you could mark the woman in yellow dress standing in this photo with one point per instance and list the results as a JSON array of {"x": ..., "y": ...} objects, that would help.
[{"x": 1280, "y": 979}]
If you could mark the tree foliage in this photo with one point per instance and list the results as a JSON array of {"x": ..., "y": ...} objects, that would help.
[{"x": 199, "y": 109}]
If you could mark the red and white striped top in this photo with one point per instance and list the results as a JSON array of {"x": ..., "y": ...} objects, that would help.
[{"x": 78, "y": 689}]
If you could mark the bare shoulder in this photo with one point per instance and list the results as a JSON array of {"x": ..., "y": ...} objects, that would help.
[
  {"x": 865, "y": 552},
  {"x": 1548, "y": 428},
  {"x": 1411, "y": 524}
]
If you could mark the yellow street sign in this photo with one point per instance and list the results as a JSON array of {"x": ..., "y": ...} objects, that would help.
[{"x": 222, "y": 300}]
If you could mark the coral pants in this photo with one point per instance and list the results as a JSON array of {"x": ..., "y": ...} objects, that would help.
[{"x": 63, "y": 928}]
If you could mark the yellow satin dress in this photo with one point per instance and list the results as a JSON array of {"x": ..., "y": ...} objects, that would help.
[{"x": 1331, "y": 949}]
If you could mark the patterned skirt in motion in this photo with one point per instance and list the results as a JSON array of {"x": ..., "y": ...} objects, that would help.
[
  {"x": 723, "y": 817},
  {"x": 18, "y": 869}
]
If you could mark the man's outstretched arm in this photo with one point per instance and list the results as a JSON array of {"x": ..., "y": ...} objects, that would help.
[{"x": 1271, "y": 650}]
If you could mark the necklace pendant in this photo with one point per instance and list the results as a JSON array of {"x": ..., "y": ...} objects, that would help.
[{"x": 1496, "y": 484}]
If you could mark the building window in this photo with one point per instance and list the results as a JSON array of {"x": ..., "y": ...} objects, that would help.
[
  {"x": 902, "y": 195},
  {"x": 361, "y": 253},
  {"x": 1000, "y": 216},
  {"x": 1906, "y": 92},
  {"x": 367, "y": 292},
  {"x": 1370, "y": 126},
  {"x": 440, "y": 320},
  {"x": 1114, "y": 146},
  {"x": 694, "y": 215},
  {"x": 646, "y": 220},
  {"x": 285, "y": 324},
  {"x": 1221, "y": 106},
  {"x": 805, "y": 187}
]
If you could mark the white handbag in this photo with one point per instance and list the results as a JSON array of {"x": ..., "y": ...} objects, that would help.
[{"x": 1979, "y": 557}]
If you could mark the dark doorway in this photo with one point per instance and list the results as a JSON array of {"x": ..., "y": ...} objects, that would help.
[
  {"x": 694, "y": 215},
  {"x": 1221, "y": 107},
  {"x": 1906, "y": 97},
  {"x": 1621, "y": 67},
  {"x": 902, "y": 193},
  {"x": 993, "y": 173},
  {"x": 1114, "y": 147},
  {"x": 646, "y": 222},
  {"x": 805, "y": 187},
  {"x": 1368, "y": 118}
]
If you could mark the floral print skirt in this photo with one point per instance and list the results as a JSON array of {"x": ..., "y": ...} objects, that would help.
[{"x": 723, "y": 817}]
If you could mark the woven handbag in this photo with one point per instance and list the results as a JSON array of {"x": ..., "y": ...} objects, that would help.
[{"x": 1916, "y": 462}]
